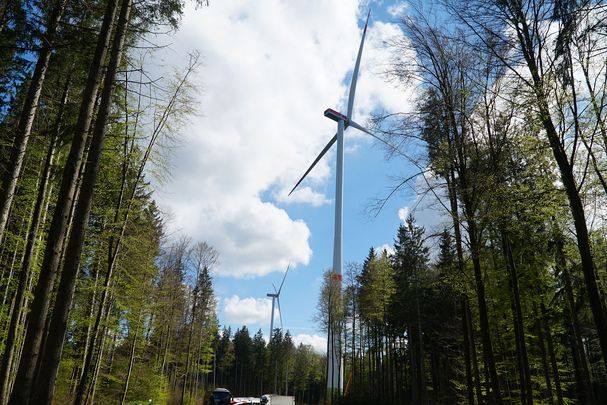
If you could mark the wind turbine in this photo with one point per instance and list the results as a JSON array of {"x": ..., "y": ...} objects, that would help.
[
  {"x": 335, "y": 379},
  {"x": 276, "y": 298}
]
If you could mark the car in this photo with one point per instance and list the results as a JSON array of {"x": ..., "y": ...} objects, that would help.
[
  {"x": 245, "y": 401},
  {"x": 221, "y": 396}
]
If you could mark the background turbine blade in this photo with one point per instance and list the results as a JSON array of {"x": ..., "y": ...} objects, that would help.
[
  {"x": 283, "y": 279},
  {"x": 327, "y": 147},
  {"x": 275, "y": 292},
  {"x": 355, "y": 72}
]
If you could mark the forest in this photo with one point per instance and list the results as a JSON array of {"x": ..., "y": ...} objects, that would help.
[
  {"x": 99, "y": 304},
  {"x": 505, "y": 304}
]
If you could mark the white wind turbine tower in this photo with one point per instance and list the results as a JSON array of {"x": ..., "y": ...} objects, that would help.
[
  {"x": 334, "y": 357},
  {"x": 276, "y": 298}
]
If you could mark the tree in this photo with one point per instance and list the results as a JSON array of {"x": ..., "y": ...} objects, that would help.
[
  {"x": 28, "y": 113},
  {"x": 54, "y": 244},
  {"x": 410, "y": 263},
  {"x": 528, "y": 42}
]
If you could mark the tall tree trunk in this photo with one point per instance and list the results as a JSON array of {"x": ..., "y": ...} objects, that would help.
[
  {"x": 569, "y": 182},
  {"x": 469, "y": 331},
  {"x": 519, "y": 328},
  {"x": 131, "y": 361},
  {"x": 113, "y": 249},
  {"x": 552, "y": 354},
  {"x": 415, "y": 391},
  {"x": 542, "y": 346},
  {"x": 420, "y": 354},
  {"x": 477, "y": 375},
  {"x": 58, "y": 229},
  {"x": 466, "y": 344},
  {"x": 89, "y": 343},
  {"x": 353, "y": 360},
  {"x": 482, "y": 309},
  {"x": 8, "y": 295},
  {"x": 65, "y": 291},
  {"x": 25, "y": 274},
  {"x": 90, "y": 393},
  {"x": 191, "y": 333},
  {"x": 28, "y": 113},
  {"x": 585, "y": 379}
]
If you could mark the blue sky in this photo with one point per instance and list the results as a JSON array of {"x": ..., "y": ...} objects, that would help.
[{"x": 270, "y": 68}]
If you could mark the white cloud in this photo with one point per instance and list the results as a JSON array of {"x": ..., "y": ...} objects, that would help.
[
  {"x": 248, "y": 311},
  {"x": 302, "y": 195},
  {"x": 398, "y": 10},
  {"x": 270, "y": 69},
  {"x": 430, "y": 209},
  {"x": 386, "y": 247},
  {"x": 403, "y": 213},
  {"x": 319, "y": 343}
]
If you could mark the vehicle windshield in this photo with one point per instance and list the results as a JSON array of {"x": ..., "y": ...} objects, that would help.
[{"x": 221, "y": 397}]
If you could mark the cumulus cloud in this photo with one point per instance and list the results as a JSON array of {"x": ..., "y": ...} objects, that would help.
[
  {"x": 386, "y": 247},
  {"x": 302, "y": 195},
  {"x": 430, "y": 209},
  {"x": 398, "y": 9},
  {"x": 403, "y": 213},
  {"x": 318, "y": 343},
  {"x": 246, "y": 311},
  {"x": 270, "y": 68}
]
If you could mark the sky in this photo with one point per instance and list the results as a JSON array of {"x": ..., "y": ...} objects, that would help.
[{"x": 269, "y": 70}]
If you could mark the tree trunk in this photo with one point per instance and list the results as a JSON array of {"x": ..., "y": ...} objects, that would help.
[
  {"x": 519, "y": 328},
  {"x": 553, "y": 363},
  {"x": 542, "y": 346},
  {"x": 353, "y": 360},
  {"x": 21, "y": 230},
  {"x": 571, "y": 188},
  {"x": 585, "y": 379},
  {"x": 482, "y": 310},
  {"x": 474, "y": 358},
  {"x": 89, "y": 342},
  {"x": 131, "y": 361},
  {"x": 112, "y": 256},
  {"x": 420, "y": 354},
  {"x": 65, "y": 291},
  {"x": 25, "y": 274},
  {"x": 28, "y": 113},
  {"x": 466, "y": 322},
  {"x": 90, "y": 393},
  {"x": 191, "y": 333},
  {"x": 466, "y": 344},
  {"x": 57, "y": 232}
]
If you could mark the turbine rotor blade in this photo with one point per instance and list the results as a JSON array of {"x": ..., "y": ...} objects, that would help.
[
  {"x": 275, "y": 292},
  {"x": 283, "y": 279},
  {"x": 366, "y": 131},
  {"x": 279, "y": 311},
  {"x": 356, "y": 125},
  {"x": 322, "y": 153},
  {"x": 355, "y": 72}
]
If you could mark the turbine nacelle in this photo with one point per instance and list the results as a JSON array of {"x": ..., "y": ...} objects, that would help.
[{"x": 335, "y": 116}]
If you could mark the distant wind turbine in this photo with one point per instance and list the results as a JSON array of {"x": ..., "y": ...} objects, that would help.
[
  {"x": 335, "y": 379},
  {"x": 276, "y": 298}
]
